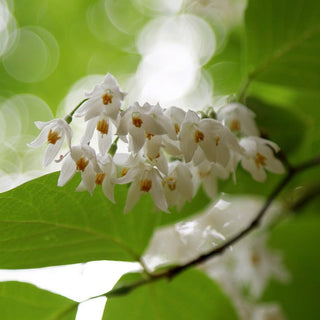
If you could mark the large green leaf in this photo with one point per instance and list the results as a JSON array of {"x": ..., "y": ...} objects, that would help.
[
  {"x": 299, "y": 239},
  {"x": 42, "y": 224},
  {"x": 272, "y": 120},
  {"x": 191, "y": 295},
  {"x": 225, "y": 67},
  {"x": 283, "y": 42},
  {"x": 25, "y": 301}
]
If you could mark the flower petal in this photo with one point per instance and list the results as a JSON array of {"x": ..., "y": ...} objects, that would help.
[
  {"x": 51, "y": 151},
  {"x": 133, "y": 196},
  {"x": 157, "y": 194},
  {"x": 41, "y": 139},
  {"x": 68, "y": 170}
]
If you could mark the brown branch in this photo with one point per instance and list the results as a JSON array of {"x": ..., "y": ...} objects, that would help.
[{"x": 174, "y": 271}]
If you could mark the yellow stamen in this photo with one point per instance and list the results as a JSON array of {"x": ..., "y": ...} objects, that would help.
[
  {"x": 217, "y": 141},
  {"x": 204, "y": 174},
  {"x": 176, "y": 128},
  {"x": 171, "y": 183},
  {"x": 106, "y": 98},
  {"x": 81, "y": 164},
  {"x": 99, "y": 178},
  {"x": 137, "y": 122},
  {"x": 103, "y": 126},
  {"x": 260, "y": 160},
  {"x": 53, "y": 137},
  {"x": 145, "y": 185},
  {"x": 149, "y": 135},
  {"x": 124, "y": 171},
  {"x": 152, "y": 158},
  {"x": 235, "y": 125},
  {"x": 255, "y": 259},
  {"x": 198, "y": 136}
]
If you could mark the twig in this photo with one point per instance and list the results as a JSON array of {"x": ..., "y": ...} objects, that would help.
[{"x": 174, "y": 271}]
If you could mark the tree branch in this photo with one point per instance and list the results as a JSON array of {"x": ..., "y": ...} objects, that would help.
[{"x": 174, "y": 271}]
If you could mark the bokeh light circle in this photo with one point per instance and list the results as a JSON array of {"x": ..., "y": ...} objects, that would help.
[{"x": 34, "y": 55}]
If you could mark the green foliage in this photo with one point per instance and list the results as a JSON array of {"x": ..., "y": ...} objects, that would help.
[
  {"x": 290, "y": 139},
  {"x": 25, "y": 301},
  {"x": 283, "y": 42},
  {"x": 298, "y": 239},
  {"x": 43, "y": 225},
  {"x": 190, "y": 295}
]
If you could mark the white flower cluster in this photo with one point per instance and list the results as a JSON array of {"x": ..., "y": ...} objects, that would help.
[{"x": 171, "y": 151}]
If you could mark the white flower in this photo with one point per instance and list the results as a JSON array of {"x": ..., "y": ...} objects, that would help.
[
  {"x": 209, "y": 136},
  {"x": 54, "y": 132},
  {"x": 107, "y": 177},
  {"x": 254, "y": 264},
  {"x": 176, "y": 115},
  {"x": 178, "y": 185},
  {"x": 106, "y": 98},
  {"x": 259, "y": 155},
  {"x": 270, "y": 311},
  {"x": 142, "y": 123},
  {"x": 104, "y": 129},
  {"x": 172, "y": 146},
  {"x": 81, "y": 158},
  {"x": 238, "y": 118},
  {"x": 208, "y": 172},
  {"x": 145, "y": 179},
  {"x": 154, "y": 154}
]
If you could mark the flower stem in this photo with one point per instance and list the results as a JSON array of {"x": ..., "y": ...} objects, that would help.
[{"x": 68, "y": 118}]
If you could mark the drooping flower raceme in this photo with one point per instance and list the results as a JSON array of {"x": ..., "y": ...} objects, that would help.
[
  {"x": 172, "y": 151},
  {"x": 53, "y": 132}
]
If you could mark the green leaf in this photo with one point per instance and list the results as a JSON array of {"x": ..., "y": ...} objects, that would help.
[
  {"x": 283, "y": 42},
  {"x": 280, "y": 125},
  {"x": 42, "y": 224},
  {"x": 225, "y": 67},
  {"x": 298, "y": 239},
  {"x": 190, "y": 295},
  {"x": 25, "y": 301}
]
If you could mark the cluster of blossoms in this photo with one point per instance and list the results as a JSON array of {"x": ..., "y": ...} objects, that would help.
[{"x": 171, "y": 151}]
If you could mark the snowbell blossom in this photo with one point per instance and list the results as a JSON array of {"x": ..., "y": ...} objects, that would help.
[
  {"x": 207, "y": 174},
  {"x": 53, "y": 132},
  {"x": 144, "y": 178},
  {"x": 142, "y": 123},
  {"x": 259, "y": 156},
  {"x": 105, "y": 98},
  {"x": 238, "y": 118},
  {"x": 154, "y": 154},
  {"x": 83, "y": 159},
  {"x": 267, "y": 311},
  {"x": 106, "y": 177},
  {"x": 178, "y": 185},
  {"x": 209, "y": 136},
  {"x": 103, "y": 126}
]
